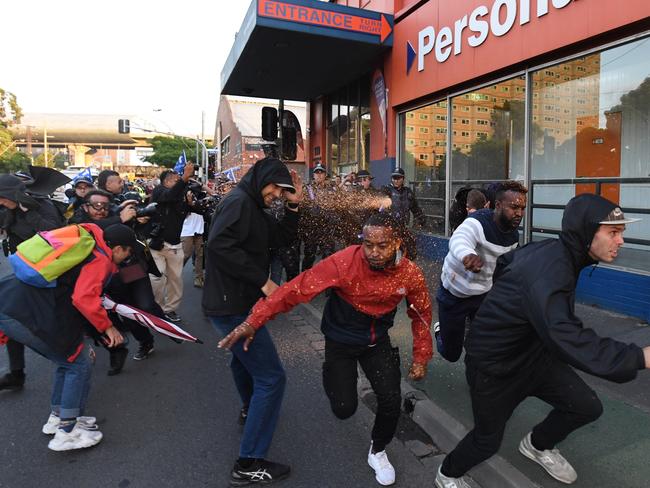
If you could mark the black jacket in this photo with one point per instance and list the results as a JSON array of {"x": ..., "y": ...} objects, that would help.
[
  {"x": 172, "y": 209},
  {"x": 237, "y": 251},
  {"x": 529, "y": 315},
  {"x": 21, "y": 225},
  {"x": 403, "y": 203}
]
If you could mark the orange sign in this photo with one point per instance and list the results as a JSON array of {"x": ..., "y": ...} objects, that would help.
[{"x": 324, "y": 18}]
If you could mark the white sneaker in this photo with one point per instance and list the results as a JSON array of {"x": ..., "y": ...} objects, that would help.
[
  {"x": 79, "y": 438},
  {"x": 443, "y": 481},
  {"x": 52, "y": 424},
  {"x": 551, "y": 460},
  {"x": 384, "y": 471}
]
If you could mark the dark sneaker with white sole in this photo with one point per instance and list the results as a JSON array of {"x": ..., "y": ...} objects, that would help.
[
  {"x": 144, "y": 351},
  {"x": 260, "y": 472}
]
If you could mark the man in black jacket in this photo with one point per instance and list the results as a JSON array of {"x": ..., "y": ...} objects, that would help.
[
  {"x": 403, "y": 204},
  {"x": 22, "y": 216},
  {"x": 526, "y": 336},
  {"x": 237, "y": 275},
  {"x": 170, "y": 196}
]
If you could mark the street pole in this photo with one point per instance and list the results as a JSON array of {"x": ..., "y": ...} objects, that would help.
[
  {"x": 280, "y": 115},
  {"x": 45, "y": 145}
]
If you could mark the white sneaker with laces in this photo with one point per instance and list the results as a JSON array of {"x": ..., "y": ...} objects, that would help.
[
  {"x": 443, "y": 481},
  {"x": 551, "y": 460},
  {"x": 53, "y": 421},
  {"x": 78, "y": 438},
  {"x": 384, "y": 471}
]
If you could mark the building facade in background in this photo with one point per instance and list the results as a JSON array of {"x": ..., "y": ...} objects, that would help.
[{"x": 555, "y": 93}]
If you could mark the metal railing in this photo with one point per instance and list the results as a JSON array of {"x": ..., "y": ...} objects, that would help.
[{"x": 598, "y": 182}]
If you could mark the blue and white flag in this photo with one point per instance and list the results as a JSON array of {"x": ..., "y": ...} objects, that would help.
[
  {"x": 180, "y": 164},
  {"x": 230, "y": 173},
  {"x": 84, "y": 174}
]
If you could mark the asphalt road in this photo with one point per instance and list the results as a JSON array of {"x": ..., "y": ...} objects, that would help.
[{"x": 170, "y": 421}]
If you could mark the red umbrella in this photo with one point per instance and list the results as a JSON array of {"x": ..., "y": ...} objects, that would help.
[{"x": 148, "y": 320}]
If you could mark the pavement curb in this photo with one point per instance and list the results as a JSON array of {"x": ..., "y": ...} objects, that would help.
[{"x": 446, "y": 432}]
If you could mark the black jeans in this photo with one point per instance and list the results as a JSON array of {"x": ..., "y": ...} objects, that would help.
[
  {"x": 16, "y": 352},
  {"x": 380, "y": 364},
  {"x": 495, "y": 398}
]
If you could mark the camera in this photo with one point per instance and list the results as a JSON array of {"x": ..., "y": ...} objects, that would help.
[{"x": 147, "y": 210}]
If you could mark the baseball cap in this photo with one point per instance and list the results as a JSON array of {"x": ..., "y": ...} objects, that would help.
[
  {"x": 119, "y": 235},
  {"x": 617, "y": 217},
  {"x": 364, "y": 174},
  {"x": 87, "y": 181}
]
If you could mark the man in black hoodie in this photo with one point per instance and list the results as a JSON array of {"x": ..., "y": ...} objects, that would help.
[
  {"x": 526, "y": 336},
  {"x": 237, "y": 275}
]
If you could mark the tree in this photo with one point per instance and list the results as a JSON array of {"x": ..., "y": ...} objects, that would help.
[
  {"x": 10, "y": 113},
  {"x": 166, "y": 150}
]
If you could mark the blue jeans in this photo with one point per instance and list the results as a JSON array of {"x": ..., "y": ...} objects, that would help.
[
  {"x": 260, "y": 380},
  {"x": 453, "y": 313},
  {"x": 71, "y": 380}
]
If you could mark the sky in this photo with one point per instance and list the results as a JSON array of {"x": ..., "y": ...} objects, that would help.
[{"x": 159, "y": 60}]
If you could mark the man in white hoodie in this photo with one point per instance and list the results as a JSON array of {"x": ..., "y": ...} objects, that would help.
[{"x": 469, "y": 265}]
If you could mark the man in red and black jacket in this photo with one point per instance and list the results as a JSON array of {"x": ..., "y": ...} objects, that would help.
[
  {"x": 368, "y": 282},
  {"x": 51, "y": 321}
]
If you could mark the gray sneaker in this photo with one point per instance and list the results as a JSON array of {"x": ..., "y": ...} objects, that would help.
[
  {"x": 551, "y": 460},
  {"x": 443, "y": 481}
]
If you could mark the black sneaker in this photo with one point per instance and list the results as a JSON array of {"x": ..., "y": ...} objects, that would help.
[
  {"x": 243, "y": 414},
  {"x": 144, "y": 351},
  {"x": 117, "y": 359},
  {"x": 11, "y": 381},
  {"x": 261, "y": 471},
  {"x": 172, "y": 317}
]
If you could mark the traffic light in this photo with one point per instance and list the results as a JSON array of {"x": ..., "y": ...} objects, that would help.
[
  {"x": 123, "y": 126},
  {"x": 269, "y": 123}
]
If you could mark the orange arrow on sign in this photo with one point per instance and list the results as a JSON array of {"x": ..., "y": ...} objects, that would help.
[{"x": 324, "y": 18}]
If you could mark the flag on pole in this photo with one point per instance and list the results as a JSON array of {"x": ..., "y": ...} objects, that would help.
[
  {"x": 230, "y": 173},
  {"x": 180, "y": 164}
]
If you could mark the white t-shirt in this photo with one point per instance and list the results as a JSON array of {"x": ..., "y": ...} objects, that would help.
[{"x": 192, "y": 225}]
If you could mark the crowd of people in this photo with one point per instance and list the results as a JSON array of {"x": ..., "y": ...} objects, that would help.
[{"x": 517, "y": 303}]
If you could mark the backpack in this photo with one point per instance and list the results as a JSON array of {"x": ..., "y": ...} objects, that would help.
[{"x": 41, "y": 259}]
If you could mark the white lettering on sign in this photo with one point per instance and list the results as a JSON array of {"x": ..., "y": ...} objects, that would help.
[{"x": 498, "y": 20}]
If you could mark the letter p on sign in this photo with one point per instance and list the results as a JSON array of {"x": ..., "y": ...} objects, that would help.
[{"x": 426, "y": 40}]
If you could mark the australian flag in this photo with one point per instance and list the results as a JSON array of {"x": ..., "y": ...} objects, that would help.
[{"x": 180, "y": 164}]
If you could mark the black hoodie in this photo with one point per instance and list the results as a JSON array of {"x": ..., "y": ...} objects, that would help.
[
  {"x": 529, "y": 315},
  {"x": 241, "y": 234}
]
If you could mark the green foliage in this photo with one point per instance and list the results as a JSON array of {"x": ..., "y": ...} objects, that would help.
[
  {"x": 59, "y": 161},
  {"x": 168, "y": 149},
  {"x": 17, "y": 161}
]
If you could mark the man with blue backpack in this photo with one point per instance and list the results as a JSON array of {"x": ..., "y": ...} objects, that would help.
[{"x": 46, "y": 306}]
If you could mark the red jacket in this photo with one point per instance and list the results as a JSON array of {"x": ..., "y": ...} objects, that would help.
[{"x": 373, "y": 294}]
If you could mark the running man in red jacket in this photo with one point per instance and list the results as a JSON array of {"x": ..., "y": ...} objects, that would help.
[{"x": 368, "y": 281}]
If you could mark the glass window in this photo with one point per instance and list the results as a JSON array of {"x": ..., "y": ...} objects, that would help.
[
  {"x": 491, "y": 149},
  {"x": 424, "y": 161},
  {"x": 602, "y": 130}
]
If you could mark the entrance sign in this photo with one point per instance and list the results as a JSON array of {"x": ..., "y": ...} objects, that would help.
[{"x": 321, "y": 17}]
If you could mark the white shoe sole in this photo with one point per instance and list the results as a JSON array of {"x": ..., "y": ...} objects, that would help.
[
  {"x": 69, "y": 446},
  {"x": 529, "y": 455}
]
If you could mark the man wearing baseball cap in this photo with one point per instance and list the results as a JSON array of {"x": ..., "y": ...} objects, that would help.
[{"x": 525, "y": 339}]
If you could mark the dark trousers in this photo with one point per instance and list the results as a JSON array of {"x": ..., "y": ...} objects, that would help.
[
  {"x": 313, "y": 248},
  {"x": 290, "y": 257},
  {"x": 139, "y": 294},
  {"x": 495, "y": 398},
  {"x": 16, "y": 352},
  {"x": 453, "y": 314},
  {"x": 380, "y": 364}
]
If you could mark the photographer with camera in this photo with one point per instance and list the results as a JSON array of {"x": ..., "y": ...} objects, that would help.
[
  {"x": 131, "y": 285},
  {"x": 201, "y": 207},
  {"x": 165, "y": 243}
]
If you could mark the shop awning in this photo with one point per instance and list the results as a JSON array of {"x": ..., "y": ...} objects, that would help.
[{"x": 300, "y": 49}]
